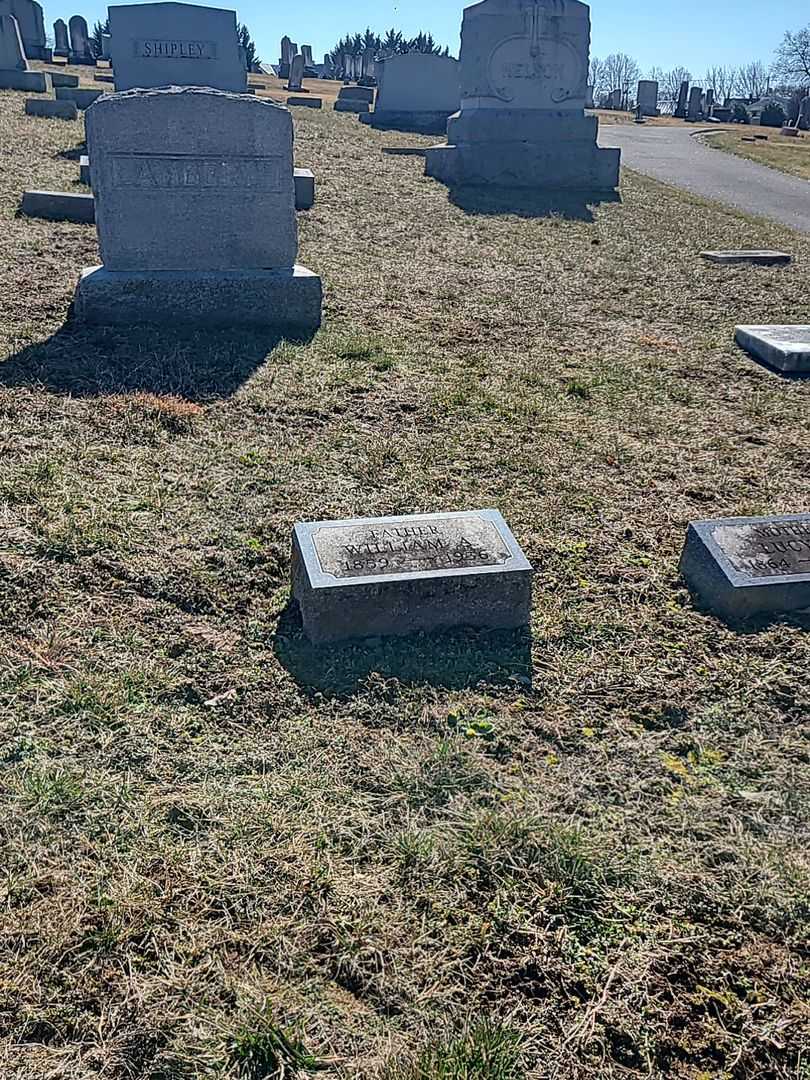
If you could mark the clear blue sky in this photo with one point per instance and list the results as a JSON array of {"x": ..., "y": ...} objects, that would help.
[{"x": 692, "y": 33}]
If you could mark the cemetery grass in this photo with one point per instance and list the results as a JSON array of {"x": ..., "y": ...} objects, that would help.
[
  {"x": 228, "y": 855},
  {"x": 784, "y": 152}
]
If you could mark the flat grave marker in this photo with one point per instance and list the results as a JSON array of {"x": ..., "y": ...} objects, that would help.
[
  {"x": 784, "y": 348},
  {"x": 757, "y": 258},
  {"x": 392, "y": 576},
  {"x": 742, "y": 567}
]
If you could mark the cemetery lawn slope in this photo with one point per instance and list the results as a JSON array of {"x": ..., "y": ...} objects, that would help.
[
  {"x": 784, "y": 152},
  {"x": 227, "y": 855}
]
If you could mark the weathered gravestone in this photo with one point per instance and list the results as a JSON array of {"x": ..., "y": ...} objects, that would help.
[
  {"x": 80, "y": 51},
  {"x": 14, "y": 73},
  {"x": 195, "y": 213},
  {"x": 60, "y": 37},
  {"x": 82, "y": 96},
  {"x": 51, "y": 109},
  {"x": 695, "y": 110},
  {"x": 306, "y": 52},
  {"x": 804, "y": 114},
  {"x": 367, "y": 61},
  {"x": 416, "y": 92},
  {"x": 175, "y": 45},
  {"x": 740, "y": 567},
  {"x": 31, "y": 25},
  {"x": 106, "y": 45},
  {"x": 285, "y": 59},
  {"x": 296, "y": 79},
  {"x": 372, "y": 577},
  {"x": 589, "y": 101},
  {"x": 683, "y": 94},
  {"x": 615, "y": 100},
  {"x": 647, "y": 97},
  {"x": 784, "y": 348},
  {"x": 753, "y": 257},
  {"x": 708, "y": 102},
  {"x": 522, "y": 122}
]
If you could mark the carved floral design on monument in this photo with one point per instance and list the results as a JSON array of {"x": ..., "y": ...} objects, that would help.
[{"x": 538, "y": 66}]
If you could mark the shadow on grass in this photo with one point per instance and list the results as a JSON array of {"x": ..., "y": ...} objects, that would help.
[
  {"x": 530, "y": 203},
  {"x": 452, "y": 659},
  {"x": 93, "y": 361},
  {"x": 73, "y": 154}
]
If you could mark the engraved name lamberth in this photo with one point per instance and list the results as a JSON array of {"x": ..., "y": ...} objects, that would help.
[{"x": 196, "y": 171}]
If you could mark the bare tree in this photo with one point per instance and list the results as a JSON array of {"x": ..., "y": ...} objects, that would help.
[
  {"x": 621, "y": 72},
  {"x": 596, "y": 76},
  {"x": 792, "y": 63},
  {"x": 721, "y": 80},
  {"x": 752, "y": 80},
  {"x": 655, "y": 74},
  {"x": 671, "y": 83}
]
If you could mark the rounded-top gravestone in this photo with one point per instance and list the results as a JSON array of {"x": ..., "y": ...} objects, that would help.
[
  {"x": 12, "y": 53},
  {"x": 60, "y": 37},
  {"x": 80, "y": 51}
]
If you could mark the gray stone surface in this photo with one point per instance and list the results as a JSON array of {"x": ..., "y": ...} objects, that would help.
[
  {"x": 304, "y": 180},
  {"x": 522, "y": 122},
  {"x": 416, "y": 92},
  {"x": 740, "y": 567},
  {"x": 296, "y": 79},
  {"x": 169, "y": 44},
  {"x": 757, "y": 258},
  {"x": 82, "y": 97},
  {"x": 59, "y": 206},
  {"x": 31, "y": 25},
  {"x": 683, "y": 98},
  {"x": 12, "y": 53},
  {"x": 59, "y": 78},
  {"x": 192, "y": 179},
  {"x": 60, "y": 37},
  {"x": 84, "y": 171},
  {"x": 285, "y": 59},
  {"x": 405, "y": 151},
  {"x": 106, "y": 44},
  {"x": 351, "y": 105},
  {"x": 306, "y": 102},
  {"x": 784, "y": 348},
  {"x": 35, "y": 82},
  {"x": 287, "y": 300},
  {"x": 356, "y": 93},
  {"x": 695, "y": 109},
  {"x": 647, "y": 97},
  {"x": 47, "y": 107},
  {"x": 80, "y": 51},
  {"x": 372, "y": 577}
]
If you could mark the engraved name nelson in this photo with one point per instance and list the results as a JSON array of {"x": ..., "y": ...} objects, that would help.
[
  {"x": 454, "y": 544},
  {"x": 769, "y": 550},
  {"x": 167, "y": 171}
]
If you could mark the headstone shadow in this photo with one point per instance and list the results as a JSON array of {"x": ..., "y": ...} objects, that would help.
[
  {"x": 530, "y": 202},
  {"x": 94, "y": 361},
  {"x": 451, "y": 659}
]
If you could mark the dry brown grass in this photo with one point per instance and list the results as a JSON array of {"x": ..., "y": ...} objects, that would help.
[
  {"x": 227, "y": 855},
  {"x": 790, "y": 154}
]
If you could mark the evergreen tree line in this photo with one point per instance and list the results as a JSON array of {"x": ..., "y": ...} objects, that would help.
[{"x": 392, "y": 43}]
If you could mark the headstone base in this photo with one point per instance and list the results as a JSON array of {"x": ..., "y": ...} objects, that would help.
[
  {"x": 48, "y": 107},
  {"x": 353, "y": 105},
  {"x": 784, "y": 348},
  {"x": 59, "y": 206},
  {"x": 421, "y": 123},
  {"x": 58, "y": 78},
  {"x": 34, "y": 82},
  {"x": 285, "y": 300},
  {"x": 81, "y": 96},
  {"x": 307, "y": 102}
]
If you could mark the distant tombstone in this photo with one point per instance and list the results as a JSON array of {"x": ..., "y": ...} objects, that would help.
[
  {"x": 522, "y": 122},
  {"x": 647, "y": 97},
  {"x": 195, "y": 210},
  {"x": 60, "y": 37},
  {"x": 306, "y": 52},
  {"x": 742, "y": 567},
  {"x": 589, "y": 102},
  {"x": 285, "y": 59},
  {"x": 171, "y": 44},
  {"x": 416, "y": 92},
  {"x": 368, "y": 62},
  {"x": 80, "y": 51},
  {"x": 784, "y": 348},
  {"x": 709, "y": 102},
  {"x": 106, "y": 42},
  {"x": 753, "y": 257},
  {"x": 804, "y": 114},
  {"x": 31, "y": 25},
  {"x": 12, "y": 53},
  {"x": 683, "y": 94},
  {"x": 393, "y": 576},
  {"x": 615, "y": 101},
  {"x": 695, "y": 110},
  {"x": 296, "y": 78}
]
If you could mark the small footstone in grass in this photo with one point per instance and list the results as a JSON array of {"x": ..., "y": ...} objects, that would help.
[
  {"x": 758, "y": 258},
  {"x": 391, "y": 576},
  {"x": 405, "y": 151},
  {"x": 785, "y": 348},
  {"x": 740, "y": 567}
]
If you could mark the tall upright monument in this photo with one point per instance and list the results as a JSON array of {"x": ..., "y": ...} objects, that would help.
[{"x": 522, "y": 122}]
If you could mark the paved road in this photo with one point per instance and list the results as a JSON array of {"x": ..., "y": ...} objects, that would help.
[{"x": 673, "y": 155}]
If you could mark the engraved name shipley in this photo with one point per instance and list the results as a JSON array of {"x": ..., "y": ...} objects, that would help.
[
  {"x": 175, "y": 49},
  {"x": 395, "y": 549},
  {"x": 167, "y": 171},
  {"x": 767, "y": 550}
]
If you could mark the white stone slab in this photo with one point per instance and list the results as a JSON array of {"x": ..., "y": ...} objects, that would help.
[
  {"x": 785, "y": 348},
  {"x": 756, "y": 258}
]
